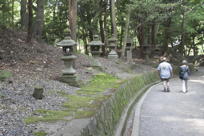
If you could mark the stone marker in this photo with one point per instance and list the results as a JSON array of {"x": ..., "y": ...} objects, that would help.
[{"x": 38, "y": 93}]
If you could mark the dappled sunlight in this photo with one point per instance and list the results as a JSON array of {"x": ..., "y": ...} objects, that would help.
[
  {"x": 197, "y": 124},
  {"x": 197, "y": 81},
  {"x": 170, "y": 118},
  {"x": 194, "y": 123}
]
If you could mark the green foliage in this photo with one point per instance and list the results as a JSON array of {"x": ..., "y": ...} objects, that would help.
[
  {"x": 42, "y": 115},
  {"x": 56, "y": 17},
  {"x": 4, "y": 74},
  {"x": 40, "y": 133},
  {"x": 75, "y": 101}
]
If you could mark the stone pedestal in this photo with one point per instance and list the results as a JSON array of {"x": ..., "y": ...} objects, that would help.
[
  {"x": 129, "y": 56},
  {"x": 112, "y": 45},
  {"x": 68, "y": 74},
  {"x": 113, "y": 54}
]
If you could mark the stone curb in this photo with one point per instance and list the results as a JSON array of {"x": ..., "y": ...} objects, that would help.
[
  {"x": 138, "y": 106},
  {"x": 130, "y": 107}
]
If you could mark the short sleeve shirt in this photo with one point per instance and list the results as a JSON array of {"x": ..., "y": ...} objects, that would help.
[{"x": 165, "y": 70}]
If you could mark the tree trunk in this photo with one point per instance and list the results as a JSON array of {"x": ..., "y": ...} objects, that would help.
[
  {"x": 126, "y": 32},
  {"x": 153, "y": 35},
  {"x": 13, "y": 13},
  {"x": 38, "y": 28},
  {"x": 113, "y": 18},
  {"x": 105, "y": 26},
  {"x": 141, "y": 38},
  {"x": 181, "y": 46},
  {"x": 73, "y": 18},
  {"x": 101, "y": 23},
  {"x": 24, "y": 15},
  {"x": 166, "y": 35},
  {"x": 121, "y": 36},
  {"x": 30, "y": 17},
  {"x": 102, "y": 32}
]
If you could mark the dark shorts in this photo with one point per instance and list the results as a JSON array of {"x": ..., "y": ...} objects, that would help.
[{"x": 165, "y": 79}]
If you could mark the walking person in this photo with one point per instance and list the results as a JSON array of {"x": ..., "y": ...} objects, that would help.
[
  {"x": 184, "y": 73},
  {"x": 165, "y": 72}
]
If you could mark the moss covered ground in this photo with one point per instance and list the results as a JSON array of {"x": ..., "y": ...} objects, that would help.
[
  {"x": 40, "y": 133},
  {"x": 83, "y": 104},
  {"x": 4, "y": 74}
]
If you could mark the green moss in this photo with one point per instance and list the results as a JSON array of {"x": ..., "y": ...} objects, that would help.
[
  {"x": 100, "y": 83},
  {"x": 84, "y": 114},
  {"x": 108, "y": 118},
  {"x": 47, "y": 116},
  {"x": 40, "y": 133},
  {"x": 75, "y": 101},
  {"x": 81, "y": 105},
  {"x": 4, "y": 74}
]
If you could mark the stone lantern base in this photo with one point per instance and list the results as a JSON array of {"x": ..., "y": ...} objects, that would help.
[
  {"x": 113, "y": 55},
  {"x": 68, "y": 74},
  {"x": 70, "y": 79},
  {"x": 96, "y": 53}
]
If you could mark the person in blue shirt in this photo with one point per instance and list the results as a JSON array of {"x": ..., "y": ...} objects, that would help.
[
  {"x": 165, "y": 72},
  {"x": 184, "y": 73}
]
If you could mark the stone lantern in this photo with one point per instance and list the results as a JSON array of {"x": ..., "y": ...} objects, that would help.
[
  {"x": 128, "y": 44},
  {"x": 128, "y": 50},
  {"x": 68, "y": 74},
  {"x": 112, "y": 45},
  {"x": 96, "y": 46}
]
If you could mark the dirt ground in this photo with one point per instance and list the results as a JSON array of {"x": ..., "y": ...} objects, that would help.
[{"x": 40, "y": 64}]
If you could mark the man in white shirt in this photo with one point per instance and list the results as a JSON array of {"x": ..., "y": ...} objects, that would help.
[{"x": 165, "y": 73}]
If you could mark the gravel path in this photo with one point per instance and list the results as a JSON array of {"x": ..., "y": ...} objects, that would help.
[
  {"x": 174, "y": 113},
  {"x": 17, "y": 103}
]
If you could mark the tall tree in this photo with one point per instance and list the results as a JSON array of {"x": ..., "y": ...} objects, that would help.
[
  {"x": 113, "y": 18},
  {"x": 30, "y": 20},
  {"x": 39, "y": 20},
  {"x": 126, "y": 31},
  {"x": 73, "y": 18},
  {"x": 24, "y": 14}
]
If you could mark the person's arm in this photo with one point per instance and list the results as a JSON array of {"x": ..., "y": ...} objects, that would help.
[
  {"x": 171, "y": 70},
  {"x": 158, "y": 69},
  {"x": 188, "y": 70}
]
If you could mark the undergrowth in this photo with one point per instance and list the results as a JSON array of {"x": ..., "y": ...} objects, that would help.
[{"x": 83, "y": 104}]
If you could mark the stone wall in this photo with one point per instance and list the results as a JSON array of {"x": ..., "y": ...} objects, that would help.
[{"x": 105, "y": 121}]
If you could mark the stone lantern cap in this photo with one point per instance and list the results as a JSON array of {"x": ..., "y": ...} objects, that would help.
[
  {"x": 67, "y": 42},
  {"x": 129, "y": 40},
  {"x": 96, "y": 41},
  {"x": 112, "y": 42},
  {"x": 113, "y": 39}
]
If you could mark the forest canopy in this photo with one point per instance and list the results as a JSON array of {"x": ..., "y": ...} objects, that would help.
[{"x": 172, "y": 26}]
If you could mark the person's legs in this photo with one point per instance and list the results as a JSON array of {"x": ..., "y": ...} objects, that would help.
[
  {"x": 184, "y": 86},
  {"x": 167, "y": 85},
  {"x": 164, "y": 85}
]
